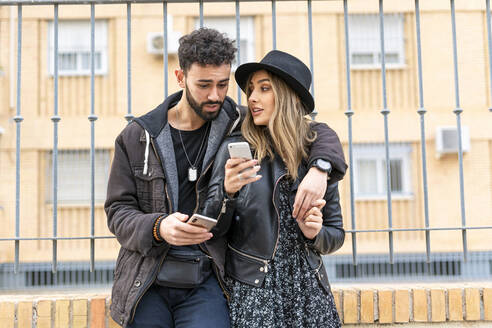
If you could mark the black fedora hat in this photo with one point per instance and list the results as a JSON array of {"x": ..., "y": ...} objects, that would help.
[{"x": 293, "y": 71}]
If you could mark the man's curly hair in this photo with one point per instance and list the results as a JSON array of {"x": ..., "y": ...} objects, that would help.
[{"x": 205, "y": 46}]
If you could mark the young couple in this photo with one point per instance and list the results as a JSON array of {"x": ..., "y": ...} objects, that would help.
[{"x": 264, "y": 252}]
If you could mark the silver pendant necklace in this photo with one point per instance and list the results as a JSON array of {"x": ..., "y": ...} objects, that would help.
[{"x": 192, "y": 169}]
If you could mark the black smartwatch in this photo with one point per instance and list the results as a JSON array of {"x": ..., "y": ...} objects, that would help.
[{"x": 322, "y": 165}]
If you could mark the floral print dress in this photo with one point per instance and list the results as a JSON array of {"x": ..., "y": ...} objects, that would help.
[{"x": 291, "y": 295}]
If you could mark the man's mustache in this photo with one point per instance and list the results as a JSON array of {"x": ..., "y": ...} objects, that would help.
[{"x": 211, "y": 103}]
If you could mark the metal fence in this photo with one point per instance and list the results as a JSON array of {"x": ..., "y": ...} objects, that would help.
[{"x": 357, "y": 262}]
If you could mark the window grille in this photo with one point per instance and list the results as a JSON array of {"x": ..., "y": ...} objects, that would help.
[
  {"x": 74, "y": 43},
  {"x": 73, "y": 170},
  {"x": 370, "y": 170},
  {"x": 365, "y": 51}
]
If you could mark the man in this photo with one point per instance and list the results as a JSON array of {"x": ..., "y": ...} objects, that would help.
[{"x": 164, "y": 275}]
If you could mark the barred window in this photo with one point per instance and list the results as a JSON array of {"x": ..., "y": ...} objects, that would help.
[
  {"x": 370, "y": 170},
  {"x": 365, "y": 46},
  {"x": 74, "y": 176},
  {"x": 74, "y": 47}
]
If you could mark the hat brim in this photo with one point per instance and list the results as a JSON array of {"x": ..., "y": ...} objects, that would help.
[{"x": 244, "y": 71}]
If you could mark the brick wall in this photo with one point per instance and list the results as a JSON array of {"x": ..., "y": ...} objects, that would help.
[{"x": 368, "y": 307}]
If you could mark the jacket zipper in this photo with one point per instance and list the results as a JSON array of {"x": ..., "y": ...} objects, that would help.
[
  {"x": 162, "y": 260},
  {"x": 265, "y": 262},
  {"x": 196, "y": 187},
  {"x": 208, "y": 166},
  {"x": 224, "y": 290},
  {"x": 278, "y": 215}
]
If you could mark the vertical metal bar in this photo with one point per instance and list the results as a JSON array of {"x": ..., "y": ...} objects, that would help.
[
  {"x": 274, "y": 24},
  {"x": 55, "y": 118},
  {"x": 11, "y": 59},
  {"x": 421, "y": 111},
  {"x": 238, "y": 44},
  {"x": 129, "y": 115},
  {"x": 385, "y": 113},
  {"x": 18, "y": 119},
  {"x": 311, "y": 57},
  {"x": 489, "y": 38},
  {"x": 458, "y": 111},
  {"x": 165, "y": 49},
  {"x": 201, "y": 13},
  {"x": 349, "y": 114},
  {"x": 92, "y": 118}
]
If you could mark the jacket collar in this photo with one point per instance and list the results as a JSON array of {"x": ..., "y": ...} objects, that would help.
[
  {"x": 155, "y": 120},
  {"x": 156, "y": 123}
]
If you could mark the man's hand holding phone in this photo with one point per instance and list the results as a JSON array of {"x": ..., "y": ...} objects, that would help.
[
  {"x": 176, "y": 231},
  {"x": 240, "y": 169}
]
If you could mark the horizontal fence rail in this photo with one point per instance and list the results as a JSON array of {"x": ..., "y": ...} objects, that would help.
[{"x": 386, "y": 112}]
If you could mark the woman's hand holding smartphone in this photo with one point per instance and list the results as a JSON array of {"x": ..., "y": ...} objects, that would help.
[{"x": 240, "y": 169}]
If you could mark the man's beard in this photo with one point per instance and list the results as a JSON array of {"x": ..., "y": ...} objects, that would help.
[{"x": 198, "y": 108}]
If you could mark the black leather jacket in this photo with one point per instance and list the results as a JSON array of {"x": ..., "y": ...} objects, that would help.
[{"x": 248, "y": 225}]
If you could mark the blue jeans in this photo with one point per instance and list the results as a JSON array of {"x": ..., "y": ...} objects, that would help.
[{"x": 204, "y": 306}]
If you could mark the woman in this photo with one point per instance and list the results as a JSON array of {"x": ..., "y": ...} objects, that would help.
[{"x": 273, "y": 267}]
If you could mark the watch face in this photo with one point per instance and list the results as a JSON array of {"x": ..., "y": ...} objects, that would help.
[{"x": 322, "y": 164}]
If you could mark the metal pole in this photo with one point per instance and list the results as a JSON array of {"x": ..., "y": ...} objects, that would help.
[
  {"x": 165, "y": 49},
  {"x": 421, "y": 111},
  {"x": 55, "y": 119},
  {"x": 385, "y": 113},
  {"x": 458, "y": 111},
  {"x": 274, "y": 24},
  {"x": 311, "y": 57},
  {"x": 201, "y": 13},
  {"x": 18, "y": 119},
  {"x": 349, "y": 113},
  {"x": 238, "y": 44},
  {"x": 92, "y": 118},
  {"x": 129, "y": 115}
]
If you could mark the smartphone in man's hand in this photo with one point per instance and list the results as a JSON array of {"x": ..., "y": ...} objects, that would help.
[{"x": 202, "y": 221}]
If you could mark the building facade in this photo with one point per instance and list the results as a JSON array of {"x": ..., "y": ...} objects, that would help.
[{"x": 112, "y": 103}]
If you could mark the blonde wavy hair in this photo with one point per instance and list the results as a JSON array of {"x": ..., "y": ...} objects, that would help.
[{"x": 288, "y": 132}]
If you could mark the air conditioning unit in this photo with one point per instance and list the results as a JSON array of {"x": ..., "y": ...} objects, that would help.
[
  {"x": 447, "y": 139},
  {"x": 155, "y": 42}
]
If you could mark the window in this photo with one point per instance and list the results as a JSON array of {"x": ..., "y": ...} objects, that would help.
[
  {"x": 74, "y": 47},
  {"x": 74, "y": 176},
  {"x": 227, "y": 25},
  {"x": 370, "y": 170},
  {"x": 364, "y": 38}
]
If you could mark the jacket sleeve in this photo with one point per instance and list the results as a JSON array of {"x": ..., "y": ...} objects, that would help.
[
  {"x": 327, "y": 146},
  {"x": 131, "y": 226},
  {"x": 217, "y": 204},
  {"x": 332, "y": 235}
]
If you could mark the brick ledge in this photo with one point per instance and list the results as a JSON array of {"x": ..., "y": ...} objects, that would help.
[{"x": 363, "y": 305}]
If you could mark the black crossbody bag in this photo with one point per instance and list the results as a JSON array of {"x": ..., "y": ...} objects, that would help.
[{"x": 184, "y": 269}]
